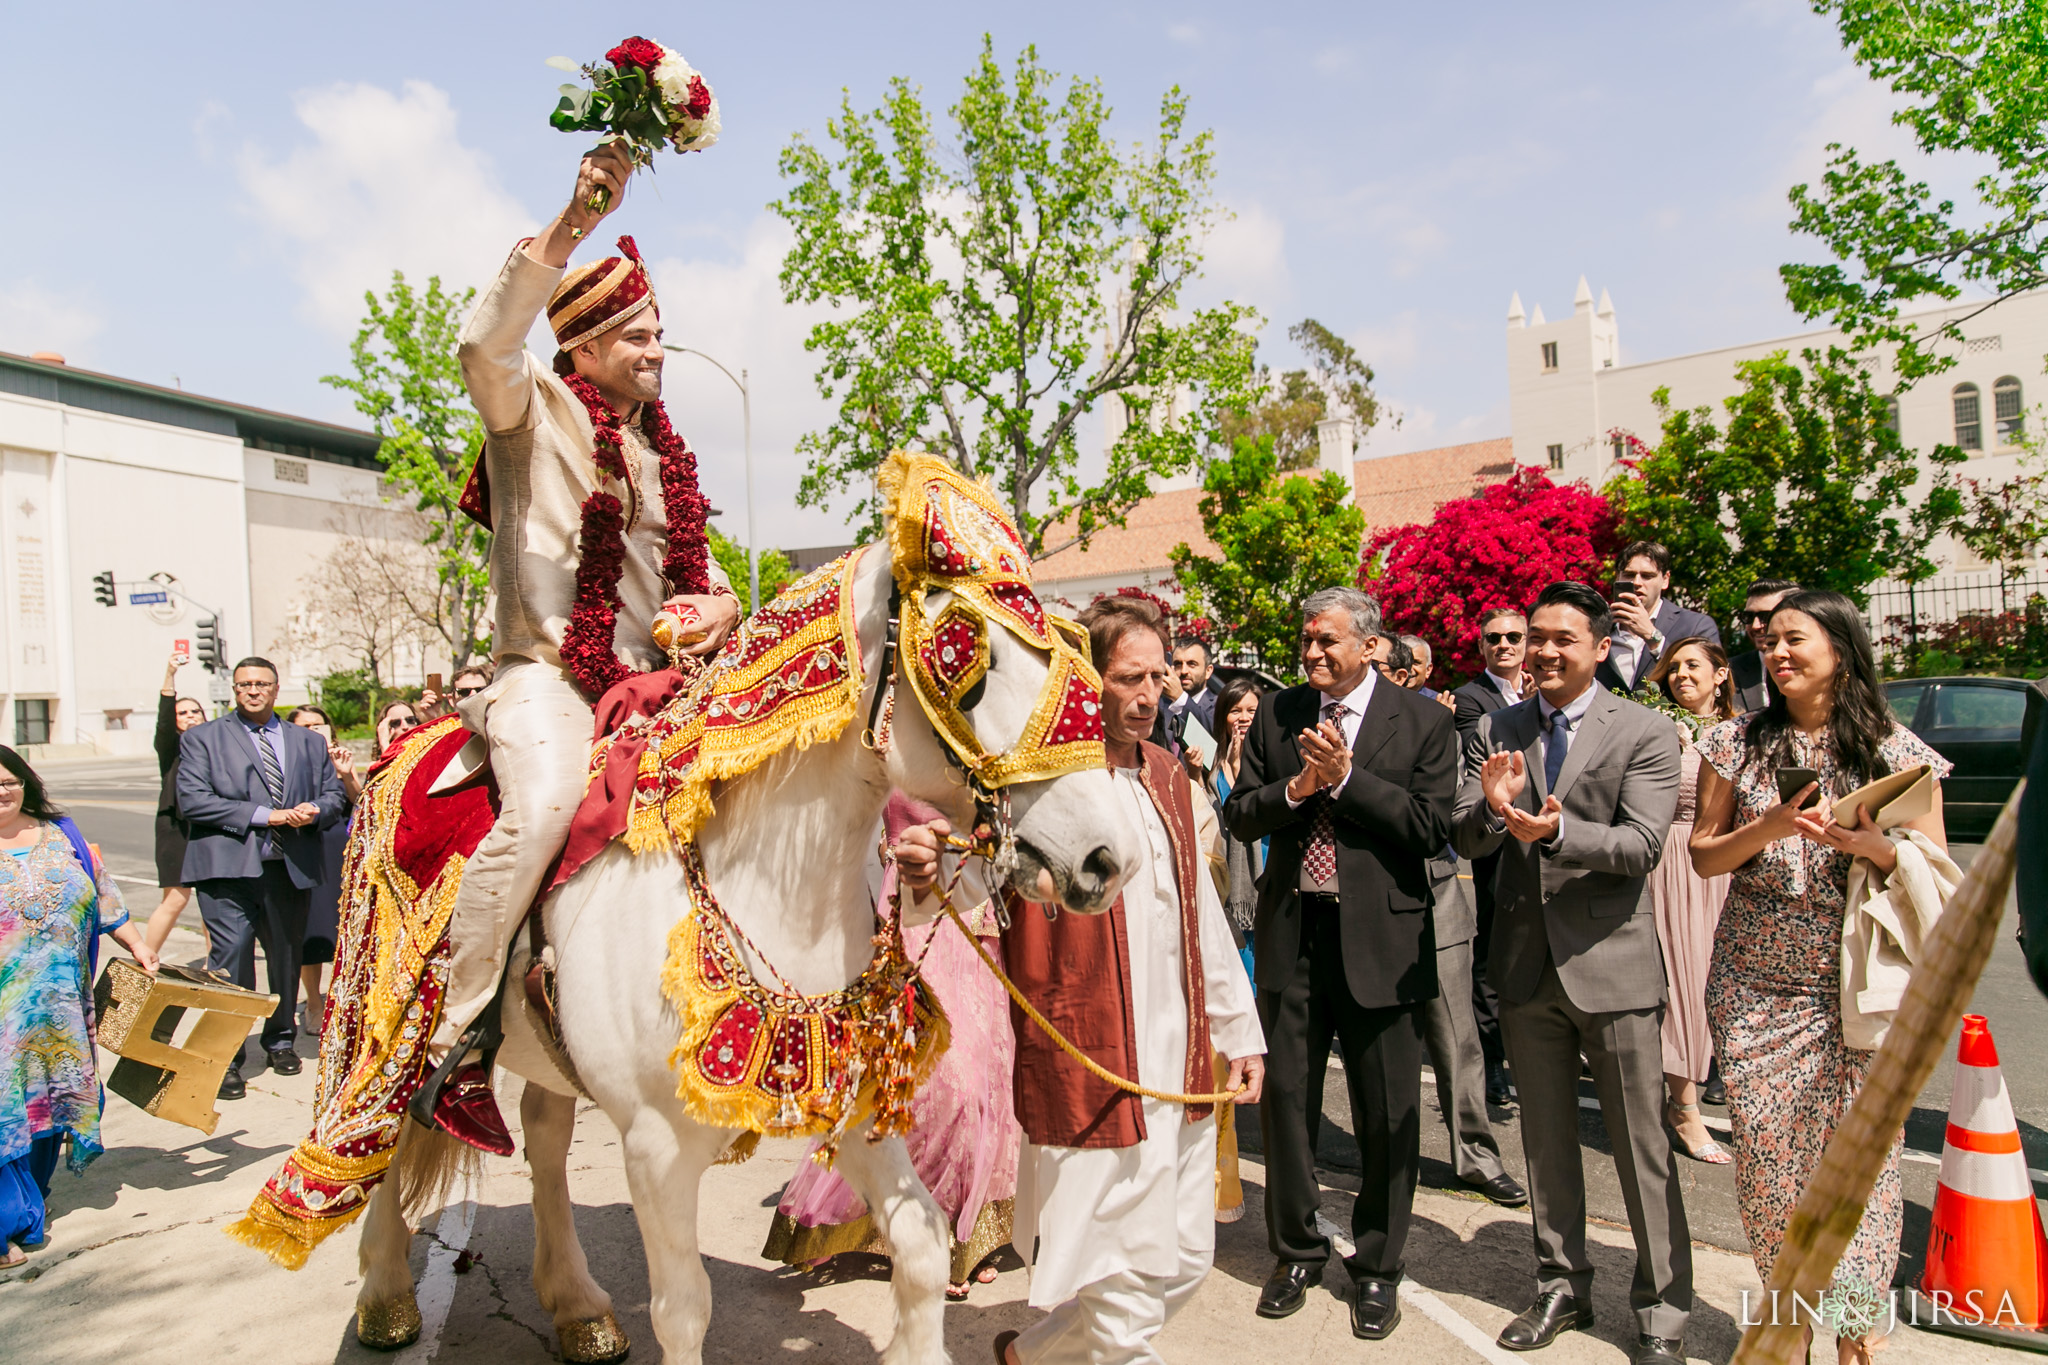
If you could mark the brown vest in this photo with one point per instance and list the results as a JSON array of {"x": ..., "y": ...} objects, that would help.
[{"x": 1076, "y": 970}]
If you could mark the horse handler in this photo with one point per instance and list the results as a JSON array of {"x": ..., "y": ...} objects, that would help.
[
  {"x": 581, "y": 463},
  {"x": 1119, "y": 1190}
]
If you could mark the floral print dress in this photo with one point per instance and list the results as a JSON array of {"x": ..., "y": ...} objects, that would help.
[
  {"x": 1774, "y": 1005},
  {"x": 50, "y": 912}
]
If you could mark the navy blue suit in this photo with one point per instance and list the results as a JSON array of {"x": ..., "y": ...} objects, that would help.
[{"x": 253, "y": 880}]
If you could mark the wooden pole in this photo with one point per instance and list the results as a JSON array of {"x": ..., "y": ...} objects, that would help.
[{"x": 1832, "y": 1206}]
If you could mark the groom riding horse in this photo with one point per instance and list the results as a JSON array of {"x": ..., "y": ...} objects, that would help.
[{"x": 598, "y": 527}]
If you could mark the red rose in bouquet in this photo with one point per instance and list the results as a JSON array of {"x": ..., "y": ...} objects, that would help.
[{"x": 639, "y": 52}]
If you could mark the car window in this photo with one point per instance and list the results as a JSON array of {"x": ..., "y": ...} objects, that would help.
[
  {"x": 1961, "y": 706},
  {"x": 1905, "y": 700}
]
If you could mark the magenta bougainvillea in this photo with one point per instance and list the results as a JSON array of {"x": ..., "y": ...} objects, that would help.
[{"x": 1499, "y": 547}]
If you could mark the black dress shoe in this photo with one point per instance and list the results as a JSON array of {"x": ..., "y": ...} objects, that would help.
[
  {"x": 1555, "y": 1311},
  {"x": 1657, "y": 1351},
  {"x": 1715, "y": 1091},
  {"x": 1287, "y": 1288},
  {"x": 1497, "y": 1085},
  {"x": 284, "y": 1061},
  {"x": 1375, "y": 1309},
  {"x": 231, "y": 1086},
  {"x": 1503, "y": 1190}
]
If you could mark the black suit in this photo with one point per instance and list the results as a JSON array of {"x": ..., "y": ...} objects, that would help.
[
  {"x": 1359, "y": 966},
  {"x": 1752, "y": 685},
  {"x": 1673, "y": 623},
  {"x": 1476, "y": 700}
]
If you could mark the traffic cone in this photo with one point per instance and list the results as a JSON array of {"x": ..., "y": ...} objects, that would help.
[{"x": 1987, "y": 1260}]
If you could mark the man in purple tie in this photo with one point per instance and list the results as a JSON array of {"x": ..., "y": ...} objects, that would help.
[{"x": 1352, "y": 778}]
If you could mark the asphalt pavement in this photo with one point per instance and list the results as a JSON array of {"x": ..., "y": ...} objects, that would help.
[{"x": 138, "y": 1269}]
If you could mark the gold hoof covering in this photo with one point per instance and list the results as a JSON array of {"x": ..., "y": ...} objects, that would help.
[
  {"x": 587, "y": 1343},
  {"x": 388, "y": 1326}
]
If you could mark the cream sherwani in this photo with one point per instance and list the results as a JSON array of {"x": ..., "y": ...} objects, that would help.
[
  {"x": 1126, "y": 1235},
  {"x": 539, "y": 458}
]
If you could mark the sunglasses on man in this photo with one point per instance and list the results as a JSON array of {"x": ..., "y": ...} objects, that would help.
[
  {"x": 1502, "y": 637},
  {"x": 1754, "y": 618},
  {"x": 464, "y": 693}
]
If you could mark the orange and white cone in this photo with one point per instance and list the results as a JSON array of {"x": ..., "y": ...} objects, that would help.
[{"x": 1987, "y": 1260}]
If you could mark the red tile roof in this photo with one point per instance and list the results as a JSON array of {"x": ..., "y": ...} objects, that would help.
[{"x": 1392, "y": 490}]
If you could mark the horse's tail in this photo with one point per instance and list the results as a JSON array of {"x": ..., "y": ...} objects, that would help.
[{"x": 430, "y": 1163}]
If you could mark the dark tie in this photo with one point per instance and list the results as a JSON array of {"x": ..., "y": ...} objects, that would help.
[
  {"x": 273, "y": 780},
  {"x": 1558, "y": 727},
  {"x": 1319, "y": 860}
]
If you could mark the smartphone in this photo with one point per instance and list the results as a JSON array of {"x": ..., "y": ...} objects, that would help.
[
  {"x": 1790, "y": 780},
  {"x": 434, "y": 683},
  {"x": 1623, "y": 587}
]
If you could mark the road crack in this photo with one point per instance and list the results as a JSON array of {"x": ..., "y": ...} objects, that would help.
[{"x": 467, "y": 1259}]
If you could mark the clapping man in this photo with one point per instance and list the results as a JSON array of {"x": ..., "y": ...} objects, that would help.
[
  {"x": 1645, "y": 620},
  {"x": 256, "y": 794},
  {"x": 1352, "y": 780},
  {"x": 1575, "y": 788},
  {"x": 1753, "y": 684}
]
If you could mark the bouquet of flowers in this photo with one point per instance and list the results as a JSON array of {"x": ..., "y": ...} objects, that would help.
[{"x": 645, "y": 95}]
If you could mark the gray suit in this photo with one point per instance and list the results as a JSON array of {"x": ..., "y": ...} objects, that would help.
[
  {"x": 1576, "y": 962},
  {"x": 1450, "y": 1033}
]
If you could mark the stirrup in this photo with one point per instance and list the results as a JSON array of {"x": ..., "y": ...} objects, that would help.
[{"x": 456, "y": 1098}]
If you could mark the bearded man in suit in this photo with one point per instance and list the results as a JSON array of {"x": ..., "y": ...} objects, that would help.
[
  {"x": 1352, "y": 779},
  {"x": 1645, "y": 620},
  {"x": 1575, "y": 789}
]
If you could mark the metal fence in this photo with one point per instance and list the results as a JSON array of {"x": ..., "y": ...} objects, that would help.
[{"x": 1905, "y": 618}]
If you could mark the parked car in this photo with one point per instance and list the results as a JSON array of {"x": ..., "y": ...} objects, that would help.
[{"x": 1986, "y": 727}]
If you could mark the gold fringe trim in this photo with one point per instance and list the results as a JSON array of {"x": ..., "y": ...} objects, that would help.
[{"x": 285, "y": 1238}]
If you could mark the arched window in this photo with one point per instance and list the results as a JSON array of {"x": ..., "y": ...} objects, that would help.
[
  {"x": 1969, "y": 418},
  {"x": 2005, "y": 408}
]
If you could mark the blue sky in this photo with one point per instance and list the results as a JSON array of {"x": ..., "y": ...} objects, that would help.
[{"x": 205, "y": 198}]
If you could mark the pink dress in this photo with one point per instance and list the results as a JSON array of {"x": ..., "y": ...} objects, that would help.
[
  {"x": 965, "y": 1139},
  {"x": 1688, "y": 908}
]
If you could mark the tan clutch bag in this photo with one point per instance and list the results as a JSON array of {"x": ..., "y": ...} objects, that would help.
[{"x": 1895, "y": 799}]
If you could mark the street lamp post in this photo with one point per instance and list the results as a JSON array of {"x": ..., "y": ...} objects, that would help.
[{"x": 747, "y": 447}]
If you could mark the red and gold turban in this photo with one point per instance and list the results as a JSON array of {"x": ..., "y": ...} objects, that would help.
[{"x": 594, "y": 298}]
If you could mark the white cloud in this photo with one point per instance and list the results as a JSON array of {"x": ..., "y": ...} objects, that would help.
[
  {"x": 1184, "y": 33},
  {"x": 1245, "y": 258},
  {"x": 384, "y": 184},
  {"x": 33, "y": 318},
  {"x": 1393, "y": 344},
  {"x": 1424, "y": 428},
  {"x": 733, "y": 311}
]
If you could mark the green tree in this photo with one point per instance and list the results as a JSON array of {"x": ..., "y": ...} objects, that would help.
[
  {"x": 774, "y": 567},
  {"x": 1807, "y": 482},
  {"x": 1336, "y": 382},
  {"x": 1282, "y": 536},
  {"x": 408, "y": 382},
  {"x": 971, "y": 288},
  {"x": 1973, "y": 76}
]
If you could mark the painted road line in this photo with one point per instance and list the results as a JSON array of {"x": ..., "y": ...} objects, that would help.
[
  {"x": 1429, "y": 1305},
  {"x": 437, "y": 1287}
]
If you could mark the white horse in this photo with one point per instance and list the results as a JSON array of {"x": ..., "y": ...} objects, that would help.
[{"x": 786, "y": 855}]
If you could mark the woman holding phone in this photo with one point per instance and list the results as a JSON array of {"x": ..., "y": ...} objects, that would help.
[
  {"x": 1773, "y": 991},
  {"x": 174, "y": 716}
]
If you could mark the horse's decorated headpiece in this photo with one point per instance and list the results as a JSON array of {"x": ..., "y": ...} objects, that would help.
[{"x": 948, "y": 534}]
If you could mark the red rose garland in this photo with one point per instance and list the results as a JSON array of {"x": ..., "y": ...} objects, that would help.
[{"x": 588, "y": 649}]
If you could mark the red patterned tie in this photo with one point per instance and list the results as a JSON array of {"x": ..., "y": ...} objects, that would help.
[{"x": 1319, "y": 860}]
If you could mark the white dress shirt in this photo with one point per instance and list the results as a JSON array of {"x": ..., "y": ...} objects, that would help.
[
  {"x": 1511, "y": 690},
  {"x": 1353, "y": 704}
]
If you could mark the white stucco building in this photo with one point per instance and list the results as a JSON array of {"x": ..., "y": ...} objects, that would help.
[
  {"x": 1570, "y": 390},
  {"x": 220, "y": 508}
]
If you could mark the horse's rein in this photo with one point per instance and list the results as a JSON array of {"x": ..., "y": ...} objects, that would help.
[{"x": 943, "y": 890}]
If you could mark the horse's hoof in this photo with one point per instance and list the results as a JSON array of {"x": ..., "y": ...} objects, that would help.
[
  {"x": 599, "y": 1339},
  {"x": 388, "y": 1326}
]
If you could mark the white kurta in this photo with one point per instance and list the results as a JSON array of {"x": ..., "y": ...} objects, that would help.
[{"x": 1098, "y": 1212}]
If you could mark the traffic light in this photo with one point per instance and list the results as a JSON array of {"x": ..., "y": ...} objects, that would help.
[
  {"x": 207, "y": 646},
  {"x": 103, "y": 589}
]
